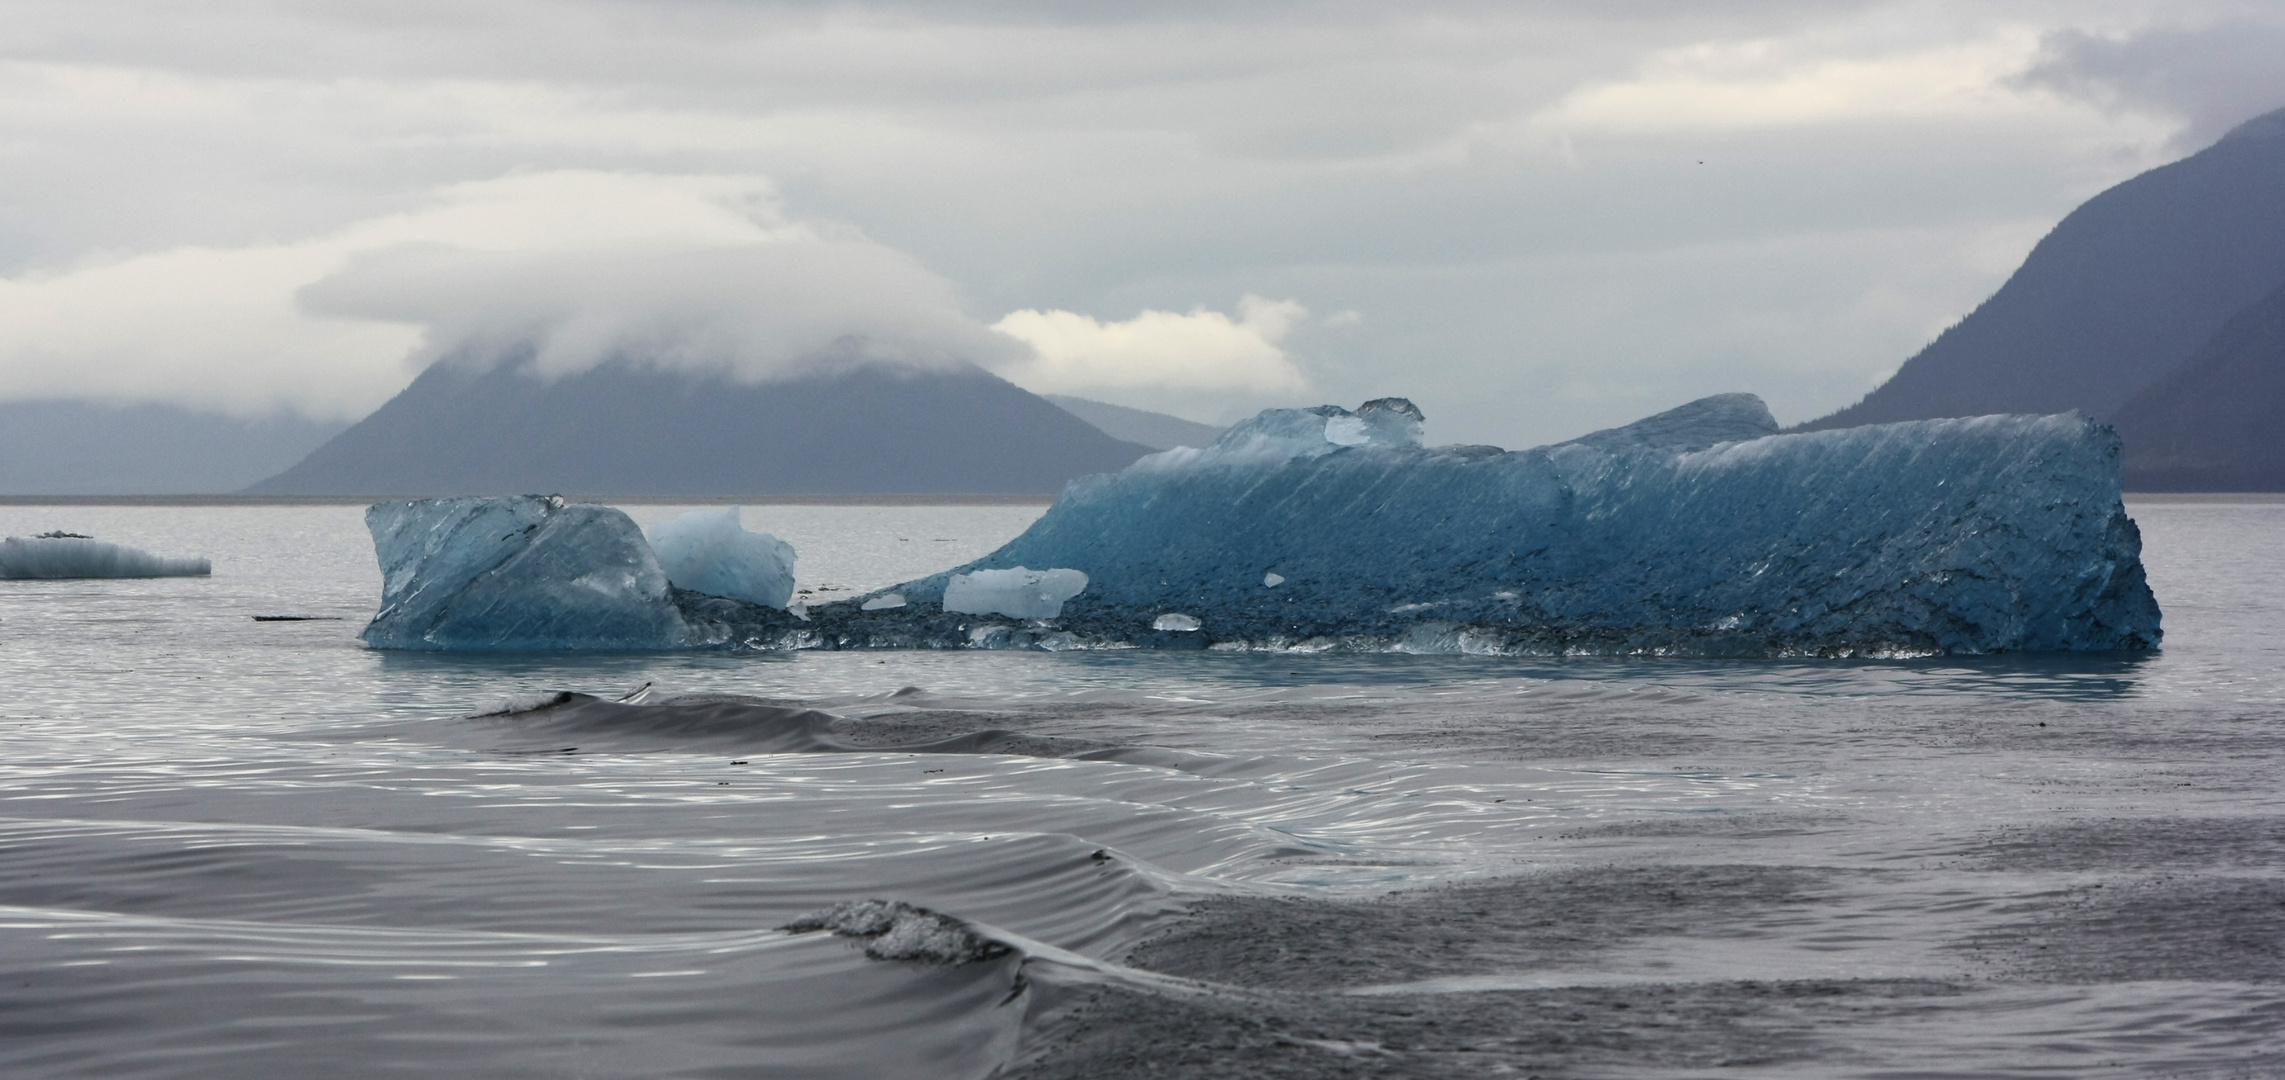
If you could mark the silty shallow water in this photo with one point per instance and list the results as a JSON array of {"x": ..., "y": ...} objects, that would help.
[{"x": 239, "y": 848}]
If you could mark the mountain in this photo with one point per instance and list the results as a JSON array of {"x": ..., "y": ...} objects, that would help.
[
  {"x": 1152, "y": 429},
  {"x": 2122, "y": 290},
  {"x": 87, "y": 448},
  {"x": 631, "y": 429},
  {"x": 2217, "y": 421}
]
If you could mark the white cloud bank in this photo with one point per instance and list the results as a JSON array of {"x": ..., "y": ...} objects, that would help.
[
  {"x": 575, "y": 268},
  {"x": 1202, "y": 350},
  {"x": 689, "y": 271}
]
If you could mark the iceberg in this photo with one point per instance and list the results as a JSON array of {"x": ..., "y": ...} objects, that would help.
[
  {"x": 69, "y": 555},
  {"x": 518, "y": 573},
  {"x": 1699, "y": 531},
  {"x": 708, "y": 551},
  {"x": 1702, "y": 531}
]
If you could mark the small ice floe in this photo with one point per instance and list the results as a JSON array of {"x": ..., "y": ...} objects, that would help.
[
  {"x": 1017, "y": 593},
  {"x": 895, "y": 930},
  {"x": 1271, "y": 581},
  {"x": 883, "y": 602},
  {"x": 54, "y": 555},
  {"x": 1175, "y": 620}
]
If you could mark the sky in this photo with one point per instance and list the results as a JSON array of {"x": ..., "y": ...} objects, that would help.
[{"x": 1532, "y": 219}]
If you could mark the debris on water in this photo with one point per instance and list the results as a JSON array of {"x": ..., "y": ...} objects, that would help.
[
  {"x": 298, "y": 618},
  {"x": 895, "y": 930}
]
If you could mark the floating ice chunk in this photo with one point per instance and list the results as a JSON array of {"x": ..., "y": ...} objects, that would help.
[
  {"x": 1175, "y": 620},
  {"x": 517, "y": 572},
  {"x": 883, "y": 602},
  {"x": 708, "y": 551},
  {"x": 70, "y": 555},
  {"x": 1697, "y": 531},
  {"x": 1017, "y": 593},
  {"x": 895, "y": 930}
]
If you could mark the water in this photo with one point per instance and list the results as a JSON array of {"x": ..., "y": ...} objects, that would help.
[{"x": 233, "y": 848}]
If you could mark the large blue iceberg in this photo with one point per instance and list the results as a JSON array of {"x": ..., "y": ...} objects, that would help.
[{"x": 1700, "y": 531}]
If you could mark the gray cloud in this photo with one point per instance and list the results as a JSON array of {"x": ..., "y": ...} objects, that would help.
[
  {"x": 1510, "y": 194},
  {"x": 2214, "y": 77}
]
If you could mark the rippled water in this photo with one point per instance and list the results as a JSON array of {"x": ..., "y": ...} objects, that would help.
[{"x": 234, "y": 848}]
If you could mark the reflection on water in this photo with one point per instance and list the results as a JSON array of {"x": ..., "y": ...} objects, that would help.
[{"x": 243, "y": 848}]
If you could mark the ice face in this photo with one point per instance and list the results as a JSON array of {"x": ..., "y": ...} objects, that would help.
[
  {"x": 82, "y": 557},
  {"x": 1017, "y": 593},
  {"x": 515, "y": 573},
  {"x": 708, "y": 551},
  {"x": 1698, "y": 531}
]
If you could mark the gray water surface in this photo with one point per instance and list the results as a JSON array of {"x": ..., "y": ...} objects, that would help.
[{"x": 232, "y": 848}]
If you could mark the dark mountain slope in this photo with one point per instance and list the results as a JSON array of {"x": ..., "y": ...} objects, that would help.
[
  {"x": 627, "y": 429},
  {"x": 2122, "y": 290},
  {"x": 1156, "y": 430},
  {"x": 87, "y": 448},
  {"x": 2216, "y": 422}
]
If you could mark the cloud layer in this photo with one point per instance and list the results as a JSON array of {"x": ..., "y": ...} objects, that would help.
[
  {"x": 1158, "y": 354},
  {"x": 1553, "y": 216}
]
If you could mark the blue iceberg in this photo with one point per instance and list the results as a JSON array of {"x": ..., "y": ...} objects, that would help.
[
  {"x": 69, "y": 555},
  {"x": 708, "y": 551},
  {"x": 1699, "y": 531},
  {"x": 515, "y": 573}
]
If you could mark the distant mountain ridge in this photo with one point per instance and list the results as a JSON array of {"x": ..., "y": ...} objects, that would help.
[
  {"x": 2123, "y": 289},
  {"x": 1152, "y": 429},
  {"x": 2217, "y": 421},
  {"x": 67, "y": 447},
  {"x": 626, "y": 428}
]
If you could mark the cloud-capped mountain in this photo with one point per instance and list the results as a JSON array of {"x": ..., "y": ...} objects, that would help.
[
  {"x": 2121, "y": 291},
  {"x": 625, "y": 428}
]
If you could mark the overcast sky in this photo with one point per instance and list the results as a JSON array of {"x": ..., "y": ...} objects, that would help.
[{"x": 1532, "y": 219}]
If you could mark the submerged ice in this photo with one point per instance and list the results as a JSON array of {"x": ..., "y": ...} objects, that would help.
[
  {"x": 68, "y": 555},
  {"x": 1699, "y": 531}
]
